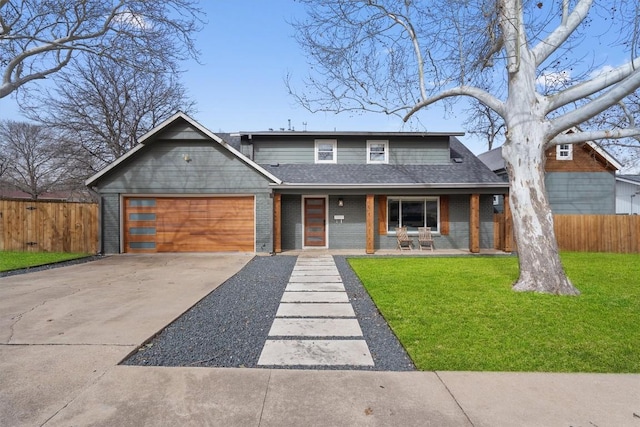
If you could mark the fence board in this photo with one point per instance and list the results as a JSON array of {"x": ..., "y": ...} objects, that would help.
[
  {"x": 48, "y": 226},
  {"x": 588, "y": 233}
]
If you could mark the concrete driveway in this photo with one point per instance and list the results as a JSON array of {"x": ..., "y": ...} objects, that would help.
[{"x": 62, "y": 329}]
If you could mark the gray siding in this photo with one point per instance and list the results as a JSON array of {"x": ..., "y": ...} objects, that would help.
[
  {"x": 110, "y": 231},
  {"x": 419, "y": 152},
  {"x": 352, "y": 151},
  {"x": 162, "y": 169},
  {"x": 351, "y": 233},
  {"x": 581, "y": 192},
  {"x": 290, "y": 152},
  {"x": 291, "y": 222}
]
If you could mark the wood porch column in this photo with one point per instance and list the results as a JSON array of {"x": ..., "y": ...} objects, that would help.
[
  {"x": 474, "y": 224},
  {"x": 370, "y": 228},
  {"x": 277, "y": 223},
  {"x": 508, "y": 225}
]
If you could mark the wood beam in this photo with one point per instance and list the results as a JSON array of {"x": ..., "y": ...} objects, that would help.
[
  {"x": 370, "y": 228},
  {"x": 277, "y": 223},
  {"x": 474, "y": 224}
]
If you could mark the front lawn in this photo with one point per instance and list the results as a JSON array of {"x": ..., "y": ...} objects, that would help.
[
  {"x": 461, "y": 314},
  {"x": 10, "y": 260}
]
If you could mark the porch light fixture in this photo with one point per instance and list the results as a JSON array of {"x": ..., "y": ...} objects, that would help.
[{"x": 340, "y": 202}]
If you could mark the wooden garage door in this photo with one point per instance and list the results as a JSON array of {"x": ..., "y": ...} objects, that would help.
[{"x": 189, "y": 224}]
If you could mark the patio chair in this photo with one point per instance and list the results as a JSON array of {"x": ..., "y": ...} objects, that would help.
[
  {"x": 425, "y": 240},
  {"x": 404, "y": 241}
]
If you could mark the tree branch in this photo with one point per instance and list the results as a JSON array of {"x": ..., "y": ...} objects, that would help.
[
  {"x": 569, "y": 24},
  {"x": 585, "y": 89},
  {"x": 577, "y": 137},
  {"x": 595, "y": 106},
  {"x": 483, "y": 96}
]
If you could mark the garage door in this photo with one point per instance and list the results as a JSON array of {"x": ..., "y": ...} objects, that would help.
[{"x": 189, "y": 224}]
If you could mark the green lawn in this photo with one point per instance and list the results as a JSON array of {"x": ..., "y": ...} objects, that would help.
[
  {"x": 461, "y": 314},
  {"x": 10, "y": 260}
]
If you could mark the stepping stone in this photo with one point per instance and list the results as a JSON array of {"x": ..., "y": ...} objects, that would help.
[
  {"x": 314, "y": 297},
  {"x": 315, "y": 352},
  {"x": 315, "y": 328},
  {"x": 315, "y": 310},
  {"x": 323, "y": 273},
  {"x": 315, "y": 279},
  {"x": 315, "y": 287}
]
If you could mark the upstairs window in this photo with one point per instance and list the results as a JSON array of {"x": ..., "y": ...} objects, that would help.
[
  {"x": 377, "y": 151},
  {"x": 564, "y": 152},
  {"x": 326, "y": 151}
]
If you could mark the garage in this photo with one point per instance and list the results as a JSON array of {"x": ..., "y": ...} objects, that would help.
[{"x": 189, "y": 224}]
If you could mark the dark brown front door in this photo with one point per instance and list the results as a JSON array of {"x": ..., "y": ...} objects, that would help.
[{"x": 314, "y": 221}]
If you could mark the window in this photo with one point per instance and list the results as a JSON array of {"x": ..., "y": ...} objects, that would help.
[
  {"x": 413, "y": 212},
  {"x": 377, "y": 151},
  {"x": 326, "y": 151},
  {"x": 564, "y": 152}
]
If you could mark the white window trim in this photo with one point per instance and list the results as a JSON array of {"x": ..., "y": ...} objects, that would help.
[
  {"x": 386, "y": 151},
  {"x": 333, "y": 142},
  {"x": 560, "y": 152},
  {"x": 425, "y": 198}
]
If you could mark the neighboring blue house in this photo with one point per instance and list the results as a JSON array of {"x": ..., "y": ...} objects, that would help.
[
  {"x": 184, "y": 188},
  {"x": 579, "y": 178}
]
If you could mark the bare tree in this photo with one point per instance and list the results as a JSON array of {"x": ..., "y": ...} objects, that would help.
[
  {"x": 36, "y": 162},
  {"x": 40, "y": 37},
  {"x": 399, "y": 57},
  {"x": 484, "y": 123},
  {"x": 102, "y": 108}
]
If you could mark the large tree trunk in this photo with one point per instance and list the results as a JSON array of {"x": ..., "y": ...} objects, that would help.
[{"x": 540, "y": 266}]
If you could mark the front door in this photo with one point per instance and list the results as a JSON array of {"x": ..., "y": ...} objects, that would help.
[{"x": 315, "y": 221}]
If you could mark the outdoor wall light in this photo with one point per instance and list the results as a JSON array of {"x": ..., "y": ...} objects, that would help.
[{"x": 340, "y": 202}]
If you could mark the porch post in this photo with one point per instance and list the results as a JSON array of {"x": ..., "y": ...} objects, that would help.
[
  {"x": 474, "y": 224},
  {"x": 370, "y": 243},
  {"x": 277, "y": 223},
  {"x": 508, "y": 225}
]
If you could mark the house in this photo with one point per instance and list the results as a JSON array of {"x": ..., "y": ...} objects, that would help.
[
  {"x": 579, "y": 178},
  {"x": 185, "y": 188},
  {"x": 628, "y": 194}
]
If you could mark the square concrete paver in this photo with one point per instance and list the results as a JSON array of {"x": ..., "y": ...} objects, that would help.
[
  {"x": 314, "y": 297},
  {"x": 315, "y": 352},
  {"x": 315, "y": 310},
  {"x": 315, "y": 272},
  {"x": 315, "y": 328},
  {"x": 312, "y": 278},
  {"x": 317, "y": 287}
]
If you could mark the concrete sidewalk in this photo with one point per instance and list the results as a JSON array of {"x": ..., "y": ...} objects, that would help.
[{"x": 63, "y": 332}]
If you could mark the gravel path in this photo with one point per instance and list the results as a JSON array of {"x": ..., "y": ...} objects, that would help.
[{"x": 229, "y": 327}]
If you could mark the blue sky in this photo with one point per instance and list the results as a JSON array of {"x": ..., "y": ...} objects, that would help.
[{"x": 247, "y": 48}]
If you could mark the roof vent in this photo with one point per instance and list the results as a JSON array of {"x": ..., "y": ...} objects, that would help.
[
  {"x": 274, "y": 165},
  {"x": 457, "y": 160}
]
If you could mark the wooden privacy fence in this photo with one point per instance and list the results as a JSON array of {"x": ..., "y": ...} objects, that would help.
[
  {"x": 48, "y": 226},
  {"x": 587, "y": 233}
]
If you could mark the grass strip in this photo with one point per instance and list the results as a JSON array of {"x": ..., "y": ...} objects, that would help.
[{"x": 14, "y": 260}]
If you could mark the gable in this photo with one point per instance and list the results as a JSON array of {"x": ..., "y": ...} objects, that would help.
[
  {"x": 585, "y": 158},
  {"x": 180, "y": 129},
  {"x": 183, "y": 166}
]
